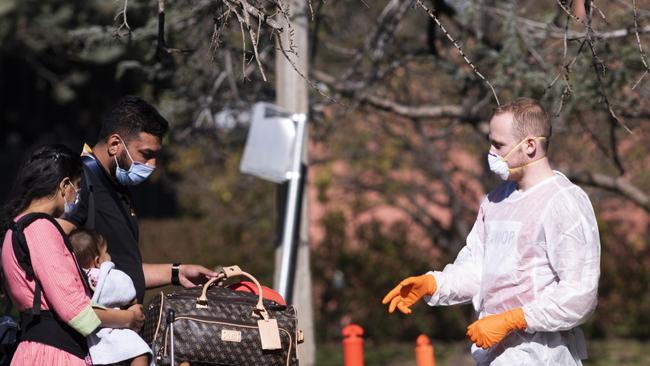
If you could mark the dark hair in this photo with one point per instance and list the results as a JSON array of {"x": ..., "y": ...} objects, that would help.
[
  {"x": 86, "y": 244},
  {"x": 38, "y": 177},
  {"x": 130, "y": 116}
]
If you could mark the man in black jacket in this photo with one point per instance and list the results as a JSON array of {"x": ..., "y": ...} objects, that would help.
[{"x": 124, "y": 155}]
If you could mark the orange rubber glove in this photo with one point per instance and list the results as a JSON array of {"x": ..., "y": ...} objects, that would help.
[
  {"x": 488, "y": 331},
  {"x": 409, "y": 291}
]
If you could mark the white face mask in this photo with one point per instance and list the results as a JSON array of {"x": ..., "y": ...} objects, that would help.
[{"x": 499, "y": 165}]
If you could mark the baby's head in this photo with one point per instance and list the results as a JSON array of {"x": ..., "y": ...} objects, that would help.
[{"x": 89, "y": 247}]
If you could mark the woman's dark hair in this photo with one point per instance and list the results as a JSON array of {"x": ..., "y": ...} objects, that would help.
[
  {"x": 39, "y": 177},
  {"x": 87, "y": 244}
]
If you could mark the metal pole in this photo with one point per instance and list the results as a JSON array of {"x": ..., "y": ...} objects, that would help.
[
  {"x": 287, "y": 268},
  {"x": 171, "y": 318},
  {"x": 293, "y": 95}
]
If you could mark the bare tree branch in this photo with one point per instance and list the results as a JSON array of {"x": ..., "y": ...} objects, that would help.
[
  {"x": 220, "y": 23},
  {"x": 375, "y": 43},
  {"x": 310, "y": 82},
  {"x": 245, "y": 22},
  {"x": 426, "y": 112},
  {"x": 124, "y": 24},
  {"x": 429, "y": 112},
  {"x": 569, "y": 13},
  {"x": 638, "y": 42},
  {"x": 544, "y": 30},
  {"x": 460, "y": 50},
  {"x": 613, "y": 145},
  {"x": 266, "y": 19},
  {"x": 614, "y": 184},
  {"x": 162, "y": 46},
  {"x": 566, "y": 76},
  {"x": 599, "y": 66},
  {"x": 619, "y": 33}
]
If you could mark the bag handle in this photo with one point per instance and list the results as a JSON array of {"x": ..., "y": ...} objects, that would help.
[{"x": 229, "y": 272}]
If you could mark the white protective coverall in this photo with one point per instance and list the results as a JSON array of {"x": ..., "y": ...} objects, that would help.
[{"x": 539, "y": 250}]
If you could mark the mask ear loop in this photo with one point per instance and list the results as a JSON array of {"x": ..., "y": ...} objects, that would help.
[
  {"x": 117, "y": 162},
  {"x": 76, "y": 193},
  {"x": 505, "y": 157},
  {"x": 127, "y": 150},
  {"x": 65, "y": 194},
  {"x": 127, "y": 154},
  {"x": 133, "y": 162},
  {"x": 527, "y": 164}
]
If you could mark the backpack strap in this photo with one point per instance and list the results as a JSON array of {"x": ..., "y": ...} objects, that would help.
[
  {"x": 90, "y": 218},
  {"x": 21, "y": 251}
]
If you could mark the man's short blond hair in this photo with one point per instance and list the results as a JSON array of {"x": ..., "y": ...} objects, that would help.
[{"x": 529, "y": 119}]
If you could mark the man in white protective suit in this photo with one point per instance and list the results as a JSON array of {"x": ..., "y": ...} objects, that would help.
[{"x": 531, "y": 262}]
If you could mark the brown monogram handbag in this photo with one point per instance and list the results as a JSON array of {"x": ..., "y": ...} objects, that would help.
[{"x": 213, "y": 325}]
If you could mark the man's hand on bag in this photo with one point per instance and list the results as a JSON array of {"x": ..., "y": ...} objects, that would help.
[
  {"x": 137, "y": 319},
  {"x": 409, "y": 291},
  {"x": 191, "y": 275},
  {"x": 488, "y": 331}
]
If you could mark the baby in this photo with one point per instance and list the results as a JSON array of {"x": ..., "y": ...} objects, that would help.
[{"x": 112, "y": 289}]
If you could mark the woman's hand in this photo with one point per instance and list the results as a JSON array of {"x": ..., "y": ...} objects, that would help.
[
  {"x": 131, "y": 318},
  {"x": 137, "y": 317},
  {"x": 131, "y": 303}
]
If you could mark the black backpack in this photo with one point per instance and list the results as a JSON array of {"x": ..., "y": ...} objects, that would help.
[{"x": 9, "y": 333}]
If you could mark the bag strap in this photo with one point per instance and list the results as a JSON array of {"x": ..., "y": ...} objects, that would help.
[
  {"x": 268, "y": 327},
  {"x": 229, "y": 272},
  {"x": 21, "y": 252}
]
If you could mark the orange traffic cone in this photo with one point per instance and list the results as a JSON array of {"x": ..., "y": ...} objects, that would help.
[
  {"x": 424, "y": 352},
  {"x": 353, "y": 345}
]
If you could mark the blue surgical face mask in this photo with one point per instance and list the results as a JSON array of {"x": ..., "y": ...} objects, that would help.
[
  {"x": 69, "y": 207},
  {"x": 137, "y": 173}
]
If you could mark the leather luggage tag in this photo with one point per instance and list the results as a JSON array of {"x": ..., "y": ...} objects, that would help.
[{"x": 269, "y": 334}]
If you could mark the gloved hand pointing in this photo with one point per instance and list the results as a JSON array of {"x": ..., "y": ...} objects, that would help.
[
  {"x": 409, "y": 291},
  {"x": 488, "y": 331}
]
